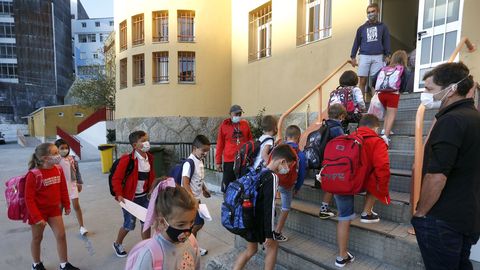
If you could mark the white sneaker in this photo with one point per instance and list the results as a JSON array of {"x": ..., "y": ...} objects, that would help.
[
  {"x": 386, "y": 139},
  {"x": 383, "y": 132},
  {"x": 83, "y": 230},
  {"x": 203, "y": 251}
]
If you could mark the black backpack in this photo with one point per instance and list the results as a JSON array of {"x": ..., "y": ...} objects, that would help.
[
  {"x": 246, "y": 155},
  {"x": 315, "y": 146},
  {"x": 129, "y": 170}
]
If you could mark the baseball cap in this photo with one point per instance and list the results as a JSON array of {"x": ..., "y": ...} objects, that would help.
[{"x": 236, "y": 109}]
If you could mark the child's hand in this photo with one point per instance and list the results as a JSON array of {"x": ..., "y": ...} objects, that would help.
[
  {"x": 218, "y": 167},
  {"x": 79, "y": 187},
  {"x": 206, "y": 193},
  {"x": 295, "y": 192},
  {"x": 67, "y": 211},
  {"x": 120, "y": 199}
]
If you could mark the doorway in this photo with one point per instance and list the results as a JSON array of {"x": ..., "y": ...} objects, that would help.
[{"x": 401, "y": 18}]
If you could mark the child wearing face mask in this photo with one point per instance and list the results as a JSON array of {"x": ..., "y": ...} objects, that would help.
[
  {"x": 133, "y": 187},
  {"x": 45, "y": 201},
  {"x": 196, "y": 185},
  {"x": 171, "y": 213},
  {"x": 73, "y": 179}
]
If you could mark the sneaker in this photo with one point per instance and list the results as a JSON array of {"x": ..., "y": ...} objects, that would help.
[
  {"x": 372, "y": 218},
  {"x": 68, "y": 266},
  {"x": 341, "y": 262},
  {"x": 119, "y": 250},
  {"x": 279, "y": 237},
  {"x": 383, "y": 132},
  {"x": 326, "y": 214},
  {"x": 386, "y": 139},
  {"x": 83, "y": 230},
  {"x": 203, "y": 251},
  {"x": 39, "y": 266}
]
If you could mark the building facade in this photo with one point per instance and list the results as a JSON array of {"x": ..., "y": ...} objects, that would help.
[{"x": 35, "y": 56}]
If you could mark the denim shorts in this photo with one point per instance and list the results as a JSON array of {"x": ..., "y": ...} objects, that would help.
[
  {"x": 198, "y": 219},
  {"x": 128, "y": 219},
  {"x": 286, "y": 196},
  {"x": 345, "y": 207},
  {"x": 369, "y": 65}
]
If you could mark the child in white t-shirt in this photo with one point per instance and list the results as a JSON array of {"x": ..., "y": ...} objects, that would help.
[
  {"x": 196, "y": 185},
  {"x": 269, "y": 127}
]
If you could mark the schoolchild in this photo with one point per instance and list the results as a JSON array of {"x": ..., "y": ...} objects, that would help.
[{"x": 269, "y": 128}]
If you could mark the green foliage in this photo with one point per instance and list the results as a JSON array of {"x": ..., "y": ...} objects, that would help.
[
  {"x": 255, "y": 124},
  {"x": 98, "y": 91}
]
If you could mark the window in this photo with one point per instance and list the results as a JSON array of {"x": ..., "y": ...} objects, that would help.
[
  {"x": 160, "y": 26},
  {"x": 7, "y": 30},
  {"x": 138, "y": 69},
  {"x": 95, "y": 56},
  {"x": 111, "y": 23},
  {"x": 186, "y": 66},
  {"x": 83, "y": 56},
  {"x": 260, "y": 32},
  {"x": 97, "y": 24},
  {"x": 90, "y": 70},
  {"x": 8, "y": 50},
  {"x": 86, "y": 38},
  {"x": 79, "y": 115},
  {"x": 8, "y": 71},
  {"x": 84, "y": 25},
  {"x": 186, "y": 26},
  {"x": 6, "y": 8},
  {"x": 137, "y": 30},
  {"x": 123, "y": 35},
  {"x": 314, "y": 20},
  {"x": 6, "y": 109},
  {"x": 160, "y": 67},
  {"x": 101, "y": 37},
  {"x": 123, "y": 73}
]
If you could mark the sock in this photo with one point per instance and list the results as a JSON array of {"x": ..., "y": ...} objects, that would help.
[
  {"x": 35, "y": 264},
  {"x": 62, "y": 265},
  {"x": 364, "y": 213},
  {"x": 324, "y": 206}
]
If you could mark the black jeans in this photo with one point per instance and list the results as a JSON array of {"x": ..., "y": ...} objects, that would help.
[
  {"x": 443, "y": 247},
  {"x": 228, "y": 175}
]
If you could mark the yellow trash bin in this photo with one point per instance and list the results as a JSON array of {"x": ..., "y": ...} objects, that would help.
[{"x": 106, "y": 156}]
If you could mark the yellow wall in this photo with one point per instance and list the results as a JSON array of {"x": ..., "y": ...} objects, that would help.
[
  {"x": 46, "y": 120},
  {"x": 211, "y": 94},
  {"x": 470, "y": 23},
  {"x": 279, "y": 81}
]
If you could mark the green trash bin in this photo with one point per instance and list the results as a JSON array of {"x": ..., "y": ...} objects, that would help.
[
  {"x": 159, "y": 162},
  {"x": 106, "y": 156}
]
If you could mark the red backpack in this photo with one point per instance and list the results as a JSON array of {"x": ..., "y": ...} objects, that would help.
[
  {"x": 343, "y": 95},
  {"x": 342, "y": 170},
  {"x": 288, "y": 180},
  {"x": 15, "y": 195}
]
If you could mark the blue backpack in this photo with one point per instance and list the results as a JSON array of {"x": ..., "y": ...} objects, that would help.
[
  {"x": 238, "y": 207},
  {"x": 176, "y": 171}
]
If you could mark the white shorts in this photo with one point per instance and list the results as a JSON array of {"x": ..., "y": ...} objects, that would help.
[
  {"x": 72, "y": 189},
  {"x": 369, "y": 65}
]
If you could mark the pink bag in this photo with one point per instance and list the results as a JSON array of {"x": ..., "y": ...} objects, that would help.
[
  {"x": 389, "y": 79},
  {"x": 155, "y": 250},
  {"x": 15, "y": 195}
]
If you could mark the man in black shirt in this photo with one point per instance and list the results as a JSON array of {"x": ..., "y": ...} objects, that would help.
[{"x": 447, "y": 218}]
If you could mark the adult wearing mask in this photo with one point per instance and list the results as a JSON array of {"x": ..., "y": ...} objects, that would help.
[
  {"x": 447, "y": 218},
  {"x": 373, "y": 41},
  {"x": 232, "y": 133}
]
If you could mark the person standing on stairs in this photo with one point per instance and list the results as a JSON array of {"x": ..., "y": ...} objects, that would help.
[
  {"x": 373, "y": 43},
  {"x": 232, "y": 133},
  {"x": 447, "y": 217}
]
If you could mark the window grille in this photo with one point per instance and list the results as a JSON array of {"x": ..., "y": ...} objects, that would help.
[
  {"x": 123, "y": 35},
  {"x": 260, "y": 32},
  {"x": 137, "y": 30},
  {"x": 186, "y": 66},
  {"x": 186, "y": 25},
  {"x": 138, "y": 69},
  {"x": 160, "y": 26},
  {"x": 160, "y": 67},
  {"x": 123, "y": 73}
]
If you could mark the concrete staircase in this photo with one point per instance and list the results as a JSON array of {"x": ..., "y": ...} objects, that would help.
[{"x": 383, "y": 245}]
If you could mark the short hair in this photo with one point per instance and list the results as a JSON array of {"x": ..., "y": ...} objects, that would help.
[
  {"x": 293, "y": 131},
  {"x": 373, "y": 5},
  {"x": 450, "y": 73},
  {"x": 369, "y": 120},
  {"x": 135, "y": 136},
  {"x": 283, "y": 151},
  {"x": 335, "y": 111},
  {"x": 60, "y": 142},
  {"x": 399, "y": 57},
  {"x": 269, "y": 123},
  {"x": 348, "y": 78},
  {"x": 200, "y": 140}
]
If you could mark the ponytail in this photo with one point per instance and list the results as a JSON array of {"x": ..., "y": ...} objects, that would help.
[{"x": 40, "y": 151}]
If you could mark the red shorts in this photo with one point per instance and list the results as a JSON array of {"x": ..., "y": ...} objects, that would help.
[
  {"x": 389, "y": 99},
  {"x": 48, "y": 212}
]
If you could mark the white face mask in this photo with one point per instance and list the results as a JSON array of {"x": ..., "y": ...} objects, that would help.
[
  {"x": 284, "y": 170},
  {"x": 63, "y": 152},
  {"x": 429, "y": 102},
  {"x": 145, "y": 146},
  {"x": 236, "y": 119}
]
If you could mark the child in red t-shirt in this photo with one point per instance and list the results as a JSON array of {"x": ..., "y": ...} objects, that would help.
[{"x": 45, "y": 200}]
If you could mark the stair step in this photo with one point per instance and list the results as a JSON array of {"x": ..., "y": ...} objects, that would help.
[
  {"x": 410, "y": 114},
  {"x": 398, "y": 210},
  {"x": 410, "y": 96},
  {"x": 401, "y": 159},
  {"x": 304, "y": 253},
  {"x": 407, "y": 127},
  {"x": 400, "y": 183},
  {"x": 402, "y": 142},
  {"x": 386, "y": 241}
]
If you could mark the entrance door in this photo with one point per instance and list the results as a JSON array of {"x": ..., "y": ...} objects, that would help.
[{"x": 439, "y": 25}]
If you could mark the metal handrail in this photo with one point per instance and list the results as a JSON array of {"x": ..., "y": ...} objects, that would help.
[
  {"x": 419, "y": 145},
  {"x": 318, "y": 88}
]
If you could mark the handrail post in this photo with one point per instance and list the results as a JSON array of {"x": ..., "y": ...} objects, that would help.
[{"x": 320, "y": 104}]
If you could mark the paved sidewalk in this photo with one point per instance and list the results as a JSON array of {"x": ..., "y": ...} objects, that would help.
[{"x": 102, "y": 217}]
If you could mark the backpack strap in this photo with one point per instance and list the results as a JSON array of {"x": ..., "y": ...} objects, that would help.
[
  {"x": 267, "y": 139},
  {"x": 192, "y": 167},
  {"x": 129, "y": 170},
  {"x": 156, "y": 252},
  {"x": 38, "y": 177}
]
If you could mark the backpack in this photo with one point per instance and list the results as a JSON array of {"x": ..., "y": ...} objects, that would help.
[
  {"x": 246, "y": 155},
  {"x": 343, "y": 95},
  {"x": 315, "y": 146},
  {"x": 289, "y": 179},
  {"x": 240, "y": 198},
  {"x": 15, "y": 195},
  {"x": 389, "y": 79},
  {"x": 176, "y": 171},
  {"x": 128, "y": 171},
  {"x": 342, "y": 170}
]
